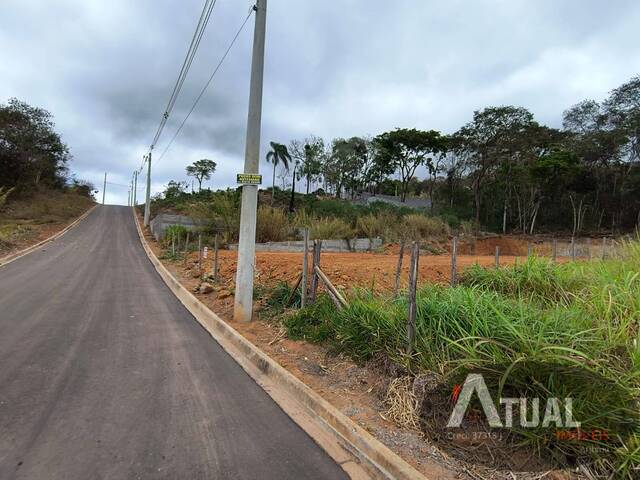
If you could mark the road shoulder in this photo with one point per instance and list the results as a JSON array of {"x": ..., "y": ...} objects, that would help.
[{"x": 359, "y": 453}]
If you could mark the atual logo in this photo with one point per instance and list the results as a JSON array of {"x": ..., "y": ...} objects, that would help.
[{"x": 556, "y": 413}]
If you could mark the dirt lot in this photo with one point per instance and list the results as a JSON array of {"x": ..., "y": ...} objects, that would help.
[
  {"x": 359, "y": 391},
  {"x": 347, "y": 270}
]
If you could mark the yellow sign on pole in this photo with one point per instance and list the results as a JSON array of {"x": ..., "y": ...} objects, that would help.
[{"x": 249, "y": 179}]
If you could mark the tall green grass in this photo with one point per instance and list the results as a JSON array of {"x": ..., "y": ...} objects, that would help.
[{"x": 535, "y": 330}]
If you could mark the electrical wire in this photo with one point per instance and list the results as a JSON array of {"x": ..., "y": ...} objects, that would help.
[
  {"x": 118, "y": 185},
  {"x": 206, "y": 85},
  {"x": 201, "y": 26}
]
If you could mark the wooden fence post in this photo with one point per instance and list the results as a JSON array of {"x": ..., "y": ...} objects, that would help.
[
  {"x": 186, "y": 249},
  {"x": 589, "y": 248},
  {"x": 173, "y": 244},
  {"x": 333, "y": 292},
  {"x": 529, "y": 249},
  {"x": 554, "y": 250},
  {"x": 317, "y": 250},
  {"x": 497, "y": 256},
  {"x": 199, "y": 252},
  {"x": 215, "y": 258},
  {"x": 413, "y": 284},
  {"x": 573, "y": 249},
  {"x": 604, "y": 248},
  {"x": 396, "y": 288},
  {"x": 305, "y": 266},
  {"x": 293, "y": 290},
  {"x": 454, "y": 262}
]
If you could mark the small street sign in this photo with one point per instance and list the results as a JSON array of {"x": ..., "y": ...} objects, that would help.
[{"x": 249, "y": 179}]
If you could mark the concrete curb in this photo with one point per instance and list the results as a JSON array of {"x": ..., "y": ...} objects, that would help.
[
  {"x": 353, "y": 448},
  {"x": 14, "y": 256}
]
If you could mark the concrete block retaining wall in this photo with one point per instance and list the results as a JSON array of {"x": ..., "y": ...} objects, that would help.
[
  {"x": 357, "y": 245},
  {"x": 161, "y": 222}
]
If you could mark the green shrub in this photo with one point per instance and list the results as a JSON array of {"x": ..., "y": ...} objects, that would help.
[
  {"x": 302, "y": 219},
  {"x": 371, "y": 226},
  {"x": 331, "y": 228},
  {"x": 450, "y": 219},
  {"x": 468, "y": 228},
  {"x": 221, "y": 211},
  {"x": 421, "y": 226},
  {"x": 272, "y": 225},
  {"x": 174, "y": 233},
  {"x": 311, "y": 323}
]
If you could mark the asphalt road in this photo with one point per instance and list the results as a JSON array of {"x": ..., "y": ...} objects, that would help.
[{"x": 105, "y": 375}]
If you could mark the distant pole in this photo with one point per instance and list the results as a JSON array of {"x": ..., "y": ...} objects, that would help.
[
  {"x": 573, "y": 249},
  {"x": 243, "y": 300},
  {"x": 454, "y": 262},
  {"x": 129, "y": 197},
  {"x": 305, "y": 266},
  {"x": 104, "y": 187},
  {"x": 554, "y": 250},
  {"x": 529, "y": 249},
  {"x": 147, "y": 203},
  {"x": 497, "y": 256},
  {"x": 604, "y": 248},
  {"x": 135, "y": 187},
  {"x": 589, "y": 248}
]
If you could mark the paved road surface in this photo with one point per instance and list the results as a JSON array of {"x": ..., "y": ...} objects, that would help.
[{"x": 105, "y": 375}]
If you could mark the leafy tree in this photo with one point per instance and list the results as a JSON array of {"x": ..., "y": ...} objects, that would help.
[
  {"x": 407, "y": 149},
  {"x": 622, "y": 109},
  {"x": 310, "y": 155},
  {"x": 486, "y": 140},
  {"x": 343, "y": 168},
  {"x": 174, "y": 189},
  {"x": 278, "y": 154},
  {"x": 31, "y": 152},
  {"x": 201, "y": 170}
]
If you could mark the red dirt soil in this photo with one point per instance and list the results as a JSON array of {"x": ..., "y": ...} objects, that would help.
[{"x": 346, "y": 270}]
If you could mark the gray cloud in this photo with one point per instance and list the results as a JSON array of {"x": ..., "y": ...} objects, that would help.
[{"x": 338, "y": 68}]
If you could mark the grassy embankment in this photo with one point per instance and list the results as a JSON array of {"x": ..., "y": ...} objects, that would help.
[
  {"x": 533, "y": 330},
  {"x": 22, "y": 220}
]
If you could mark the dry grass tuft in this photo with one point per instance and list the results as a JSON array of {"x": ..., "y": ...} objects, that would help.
[{"x": 402, "y": 403}]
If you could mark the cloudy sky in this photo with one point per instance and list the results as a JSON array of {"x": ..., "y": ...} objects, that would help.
[{"x": 105, "y": 69}]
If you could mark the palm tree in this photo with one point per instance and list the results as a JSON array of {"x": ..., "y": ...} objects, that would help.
[{"x": 277, "y": 154}]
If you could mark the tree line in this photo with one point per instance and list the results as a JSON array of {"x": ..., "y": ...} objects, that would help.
[
  {"x": 32, "y": 154},
  {"x": 503, "y": 169}
]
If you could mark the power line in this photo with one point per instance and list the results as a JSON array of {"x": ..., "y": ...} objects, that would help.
[
  {"x": 117, "y": 184},
  {"x": 206, "y": 85},
  {"x": 203, "y": 21}
]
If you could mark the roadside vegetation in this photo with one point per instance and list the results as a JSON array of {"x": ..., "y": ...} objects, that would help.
[
  {"x": 327, "y": 218},
  {"x": 502, "y": 172},
  {"x": 36, "y": 188},
  {"x": 535, "y": 329}
]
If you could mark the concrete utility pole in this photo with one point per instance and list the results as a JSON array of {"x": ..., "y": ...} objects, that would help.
[
  {"x": 147, "y": 204},
  {"x": 129, "y": 197},
  {"x": 243, "y": 300},
  {"x": 135, "y": 187},
  {"x": 104, "y": 187}
]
